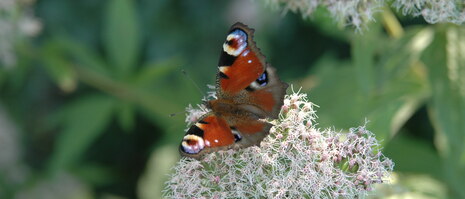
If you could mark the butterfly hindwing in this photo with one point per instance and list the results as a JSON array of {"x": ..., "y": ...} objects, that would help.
[
  {"x": 213, "y": 133},
  {"x": 267, "y": 93}
]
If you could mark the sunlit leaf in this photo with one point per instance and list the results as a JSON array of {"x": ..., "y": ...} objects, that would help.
[
  {"x": 391, "y": 97},
  {"x": 446, "y": 67},
  {"x": 153, "y": 180},
  {"x": 84, "y": 120},
  {"x": 121, "y": 36},
  {"x": 411, "y": 185},
  {"x": 399, "y": 99},
  {"x": 399, "y": 55}
]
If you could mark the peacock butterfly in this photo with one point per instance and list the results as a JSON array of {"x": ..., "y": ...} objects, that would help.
[{"x": 248, "y": 90}]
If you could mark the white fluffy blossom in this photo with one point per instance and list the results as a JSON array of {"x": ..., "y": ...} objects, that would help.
[
  {"x": 359, "y": 12},
  {"x": 296, "y": 160},
  {"x": 434, "y": 11},
  {"x": 16, "y": 22}
]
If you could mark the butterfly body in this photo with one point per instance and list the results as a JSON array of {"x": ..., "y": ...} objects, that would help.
[{"x": 248, "y": 91}]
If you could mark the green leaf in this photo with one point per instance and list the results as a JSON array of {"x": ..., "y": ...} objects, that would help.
[
  {"x": 121, "y": 36},
  {"x": 148, "y": 100},
  {"x": 84, "y": 56},
  {"x": 96, "y": 174},
  {"x": 364, "y": 47},
  {"x": 126, "y": 116},
  {"x": 391, "y": 97},
  {"x": 338, "y": 95},
  {"x": 71, "y": 51},
  {"x": 159, "y": 165},
  {"x": 413, "y": 155},
  {"x": 58, "y": 67},
  {"x": 84, "y": 120},
  {"x": 399, "y": 55},
  {"x": 2, "y": 76},
  {"x": 445, "y": 61},
  {"x": 446, "y": 65},
  {"x": 155, "y": 71},
  {"x": 400, "y": 98}
]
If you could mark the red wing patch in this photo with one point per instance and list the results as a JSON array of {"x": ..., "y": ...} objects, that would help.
[
  {"x": 263, "y": 99},
  {"x": 216, "y": 132},
  {"x": 245, "y": 69},
  {"x": 251, "y": 127}
]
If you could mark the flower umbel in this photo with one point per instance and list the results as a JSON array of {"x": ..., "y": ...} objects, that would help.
[
  {"x": 359, "y": 12},
  {"x": 296, "y": 160}
]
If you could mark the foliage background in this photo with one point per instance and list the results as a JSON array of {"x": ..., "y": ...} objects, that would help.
[{"x": 85, "y": 104}]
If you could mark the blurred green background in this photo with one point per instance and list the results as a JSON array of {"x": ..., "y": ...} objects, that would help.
[{"x": 85, "y": 100}]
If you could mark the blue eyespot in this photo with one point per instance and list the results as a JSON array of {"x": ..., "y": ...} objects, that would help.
[{"x": 263, "y": 79}]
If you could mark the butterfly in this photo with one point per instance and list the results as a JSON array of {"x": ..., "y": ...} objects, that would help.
[{"x": 248, "y": 90}]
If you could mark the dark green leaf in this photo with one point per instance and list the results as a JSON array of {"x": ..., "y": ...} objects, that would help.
[
  {"x": 97, "y": 174},
  {"x": 74, "y": 52},
  {"x": 85, "y": 56},
  {"x": 58, "y": 67},
  {"x": 2, "y": 76},
  {"x": 84, "y": 120},
  {"x": 413, "y": 155},
  {"x": 364, "y": 47},
  {"x": 155, "y": 71},
  {"x": 121, "y": 36},
  {"x": 126, "y": 116}
]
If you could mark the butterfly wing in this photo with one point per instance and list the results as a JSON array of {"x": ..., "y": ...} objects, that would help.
[
  {"x": 245, "y": 78},
  {"x": 239, "y": 63},
  {"x": 209, "y": 134},
  {"x": 214, "y": 133},
  {"x": 248, "y": 90}
]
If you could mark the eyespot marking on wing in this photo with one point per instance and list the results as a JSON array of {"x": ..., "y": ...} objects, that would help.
[
  {"x": 258, "y": 83},
  {"x": 192, "y": 144},
  {"x": 235, "y": 42},
  {"x": 263, "y": 79},
  {"x": 237, "y": 135}
]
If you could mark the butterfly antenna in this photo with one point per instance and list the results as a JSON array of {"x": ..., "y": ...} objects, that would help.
[
  {"x": 175, "y": 114},
  {"x": 195, "y": 84}
]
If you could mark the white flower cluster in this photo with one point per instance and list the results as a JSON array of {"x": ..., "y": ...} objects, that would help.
[
  {"x": 358, "y": 12},
  {"x": 295, "y": 161},
  {"x": 16, "y": 21},
  {"x": 434, "y": 11},
  {"x": 352, "y": 12}
]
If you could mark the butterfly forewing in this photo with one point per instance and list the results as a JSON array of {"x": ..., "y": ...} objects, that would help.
[{"x": 240, "y": 63}]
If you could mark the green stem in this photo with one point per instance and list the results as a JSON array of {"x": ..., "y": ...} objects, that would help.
[{"x": 391, "y": 24}]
